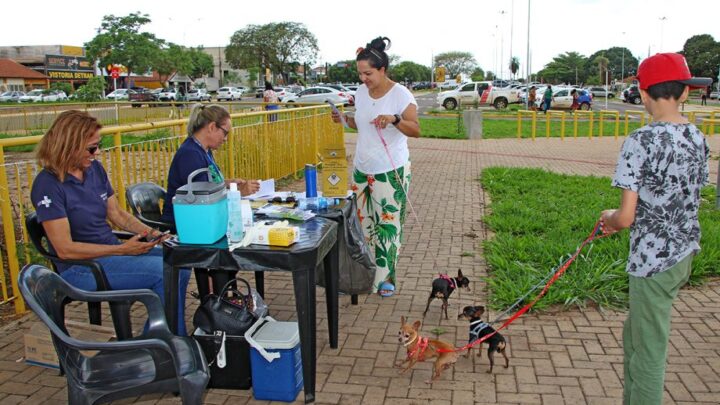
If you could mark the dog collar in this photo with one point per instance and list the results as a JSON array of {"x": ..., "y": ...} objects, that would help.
[
  {"x": 410, "y": 342},
  {"x": 420, "y": 349}
]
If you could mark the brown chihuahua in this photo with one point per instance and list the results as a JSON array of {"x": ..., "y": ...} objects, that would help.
[
  {"x": 479, "y": 329},
  {"x": 420, "y": 348}
]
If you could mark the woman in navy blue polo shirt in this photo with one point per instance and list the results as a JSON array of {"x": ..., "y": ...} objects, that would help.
[
  {"x": 74, "y": 202},
  {"x": 208, "y": 128}
]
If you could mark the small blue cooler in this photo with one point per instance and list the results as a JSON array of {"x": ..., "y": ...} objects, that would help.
[
  {"x": 277, "y": 374},
  {"x": 200, "y": 211}
]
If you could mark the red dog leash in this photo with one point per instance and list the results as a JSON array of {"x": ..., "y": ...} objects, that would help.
[{"x": 595, "y": 234}]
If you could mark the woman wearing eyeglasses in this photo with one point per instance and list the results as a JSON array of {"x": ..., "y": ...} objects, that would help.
[
  {"x": 75, "y": 203},
  {"x": 385, "y": 116},
  {"x": 208, "y": 128}
]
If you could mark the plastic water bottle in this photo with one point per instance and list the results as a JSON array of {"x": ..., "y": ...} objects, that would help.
[
  {"x": 316, "y": 203},
  {"x": 310, "y": 181},
  {"x": 235, "y": 229}
]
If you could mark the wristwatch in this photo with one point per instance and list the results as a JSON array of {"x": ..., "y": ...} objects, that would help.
[{"x": 397, "y": 120}]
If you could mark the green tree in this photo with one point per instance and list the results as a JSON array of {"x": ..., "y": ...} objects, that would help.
[
  {"x": 201, "y": 63},
  {"x": 343, "y": 71},
  {"x": 478, "y": 75},
  {"x": 169, "y": 59},
  {"x": 514, "y": 65},
  {"x": 273, "y": 45},
  {"x": 410, "y": 71},
  {"x": 490, "y": 75},
  {"x": 602, "y": 64},
  {"x": 702, "y": 53},
  {"x": 63, "y": 86},
  {"x": 119, "y": 41},
  {"x": 618, "y": 58},
  {"x": 565, "y": 68},
  {"x": 92, "y": 91},
  {"x": 456, "y": 62}
]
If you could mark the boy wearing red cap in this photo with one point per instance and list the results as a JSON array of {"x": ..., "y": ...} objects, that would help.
[{"x": 661, "y": 169}]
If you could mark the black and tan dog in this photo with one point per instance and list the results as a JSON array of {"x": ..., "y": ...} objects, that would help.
[
  {"x": 479, "y": 329},
  {"x": 443, "y": 286}
]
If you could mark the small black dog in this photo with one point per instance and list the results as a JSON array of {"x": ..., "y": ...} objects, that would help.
[
  {"x": 479, "y": 329},
  {"x": 444, "y": 286}
]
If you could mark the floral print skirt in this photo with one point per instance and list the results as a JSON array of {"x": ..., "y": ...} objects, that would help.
[{"x": 382, "y": 200}]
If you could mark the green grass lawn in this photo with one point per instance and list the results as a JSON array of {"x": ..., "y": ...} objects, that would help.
[{"x": 539, "y": 217}]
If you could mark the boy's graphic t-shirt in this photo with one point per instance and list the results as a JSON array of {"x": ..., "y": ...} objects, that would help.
[{"x": 667, "y": 165}]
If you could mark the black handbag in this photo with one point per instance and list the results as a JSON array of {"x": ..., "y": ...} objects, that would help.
[{"x": 230, "y": 314}]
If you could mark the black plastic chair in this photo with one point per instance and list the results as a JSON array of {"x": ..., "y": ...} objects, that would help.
[
  {"x": 155, "y": 361},
  {"x": 37, "y": 234},
  {"x": 144, "y": 201}
]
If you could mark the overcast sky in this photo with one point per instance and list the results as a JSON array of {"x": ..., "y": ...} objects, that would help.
[{"x": 418, "y": 29}]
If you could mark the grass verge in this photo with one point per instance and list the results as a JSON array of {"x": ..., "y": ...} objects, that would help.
[{"x": 540, "y": 217}]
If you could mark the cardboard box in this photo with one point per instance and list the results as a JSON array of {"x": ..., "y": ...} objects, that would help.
[
  {"x": 39, "y": 348},
  {"x": 334, "y": 173}
]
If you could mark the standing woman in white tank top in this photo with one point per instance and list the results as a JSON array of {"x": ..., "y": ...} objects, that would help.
[{"x": 386, "y": 115}]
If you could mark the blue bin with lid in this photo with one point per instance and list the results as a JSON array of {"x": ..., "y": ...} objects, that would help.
[
  {"x": 200, "y": 210},
  {"x": 275, "y": 360}
]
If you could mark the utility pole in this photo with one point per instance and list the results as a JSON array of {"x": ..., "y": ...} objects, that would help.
[
  {"x": 527, "y": 63},
  {"x": 502, "y": 40},
  {"x": 622, "y": 69},
  {"x": 512, "y": 21},
  {"x": 662, "y": 27}
]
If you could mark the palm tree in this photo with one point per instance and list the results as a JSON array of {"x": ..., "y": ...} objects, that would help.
[
  {"x": 514, "y": 65},
  {"x": 602, "y": 63}
]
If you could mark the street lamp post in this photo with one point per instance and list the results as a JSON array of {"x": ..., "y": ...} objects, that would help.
[
  {"x": 662, "y": 26},
  {"x": 527, "y": 62},
  {"x": 622, "y": 64},
  {"x": 502, "y": 40}
]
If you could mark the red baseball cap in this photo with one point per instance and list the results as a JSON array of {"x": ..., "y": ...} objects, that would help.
[{"x": 667, "y": 67}]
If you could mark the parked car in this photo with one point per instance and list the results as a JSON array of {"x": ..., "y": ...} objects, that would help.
[
  {"x": 714, "y": 95},
  {"x": 118, "y": 95},
  {"x": 11, "y": 96},
  {"x": 342, "y": 88},
  {"x": 283, "y": 93},
  {"x": 44, "y": 95},
  {"x": 320, "y": 94},
  {"x": 156, "y": 93},
  {"x": 169, "y": 94},
  {"x": 562, "y": 99},
  {"x": 229, "y": 94},
  {"x": 600, "y": 92},
  {"x": 477, "y": 92},
  {"x": 198, "y": 95},
  {"x": 140, "y": 95},
  {"x": 631, "y": 95}
]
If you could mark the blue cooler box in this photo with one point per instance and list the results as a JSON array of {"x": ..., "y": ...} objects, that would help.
[
  {"x": 200, "y": 210},
  {"x": 275, "y": 360}
]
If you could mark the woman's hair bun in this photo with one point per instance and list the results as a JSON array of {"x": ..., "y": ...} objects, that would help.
[{"x": 379, "y": 44}]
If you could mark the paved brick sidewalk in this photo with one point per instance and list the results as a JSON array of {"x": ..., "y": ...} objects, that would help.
[{"x": 570, "y": 357}]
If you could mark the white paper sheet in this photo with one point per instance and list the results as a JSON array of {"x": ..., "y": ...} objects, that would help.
[{"x": 267, "y": 189}]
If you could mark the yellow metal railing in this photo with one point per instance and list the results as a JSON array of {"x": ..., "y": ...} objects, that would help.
[
  {"x": 33, "y": 119},
  {"x": 601, "y": 121},
  {"x": 264, "y": 144},
  {"x": 533, "y": 122}
]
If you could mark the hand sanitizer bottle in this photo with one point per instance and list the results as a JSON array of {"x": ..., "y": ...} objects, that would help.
[{"x": 235, "y": 228}]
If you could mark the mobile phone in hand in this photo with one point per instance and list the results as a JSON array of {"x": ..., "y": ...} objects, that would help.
[
  {"x": 150, "y": 238},
  {"x": 335, "y": 110}
]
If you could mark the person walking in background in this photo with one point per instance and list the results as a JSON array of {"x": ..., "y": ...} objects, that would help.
[
  {"x": 661, "y": 169},
  {"x": 75, "y": 203},
  {"x": 575, "y": 104},
  {"x": 269, "y": 96},
  {"x": 385, "y": 116},
  {"x": 547, "y": 98},
  {"x": 532, "y": 98},
  {"x": 703, "y": 96}
]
